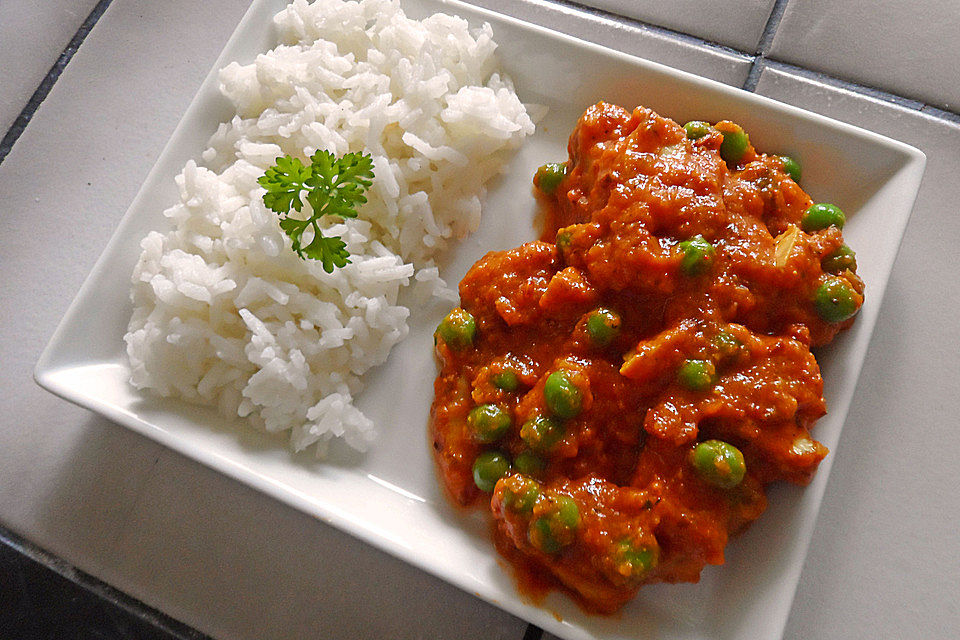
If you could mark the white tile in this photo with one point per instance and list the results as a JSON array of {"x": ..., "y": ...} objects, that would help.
[
  {"x": 884, "y": 556},
  {"x": 723, "y": 66},
  {"x": 32, "y": 37},
  {"x": 735, "y": 23},
  {"x": 907, "y": 48}
]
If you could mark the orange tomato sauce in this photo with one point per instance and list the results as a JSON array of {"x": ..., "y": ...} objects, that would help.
[{"x": 634, "y": 189}]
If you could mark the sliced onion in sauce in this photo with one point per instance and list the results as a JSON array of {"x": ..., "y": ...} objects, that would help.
[{"x": 785, "y": 242}]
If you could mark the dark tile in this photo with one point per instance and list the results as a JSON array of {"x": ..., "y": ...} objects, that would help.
[{"x": 37, "y": 603}]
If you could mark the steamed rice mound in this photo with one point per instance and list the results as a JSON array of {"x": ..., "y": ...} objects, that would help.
[{"x": 225, "y": 313}]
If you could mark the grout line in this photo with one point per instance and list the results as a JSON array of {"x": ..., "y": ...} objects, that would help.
[
  {"x": 99, "y": 588},
  {"x": 16, "y": 129},
  {"x": 753, "y": 76},
  {"x": 763, "y": 46},
  {"x": 770, "y": 29},
  {"x": 937, "y": 112},
  {"x": 853, "y": 87},
  {"x": 533, "y": 632}
]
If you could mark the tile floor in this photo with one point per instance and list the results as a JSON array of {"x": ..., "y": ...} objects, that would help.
[
  {"x": 852, "y": 40},
  {"x": 100, "y": 498},
  {"x": 735, "y": 23},
  {"x": 32, "y": 38}
]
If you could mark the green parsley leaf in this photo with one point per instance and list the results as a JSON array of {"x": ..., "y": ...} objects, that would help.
[
  {"x": 334, "y": 187},
  {"x": 283, "y": 183},
  {"x": 332, "y": 252},
  {"x": 338, "y": 185}
]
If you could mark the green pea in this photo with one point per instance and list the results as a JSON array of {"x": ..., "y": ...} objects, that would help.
[
  {"x": 563, "y": 398},
  {"x": 697, "y": 375},
  {"x": 489, "y": 422},
  {"x": 728, "y": 345},
  {"x": 567, "y": 512},
  {"x": 564, "y": 238},
  {"x": 557, "y": 528},
  {"x": 698, "y": 255},
  {"x": 530, "y": 463},
  {"x": 734, "y": 145},
  {"x": 603, "y": 326},
  {"x": 635, "y": 560},
  {"x": 696, "y": 129},
  {"x": 506, "y": 380},
  {"x": 840, "y": 259},
  {"x": 521, "y": 493},
  {"x": 834, "y": 300},
  {"x": 489, "y": 467},
  {"x": 541, "y": 433},
  {"x": 821, "y": 216},
  {"x": 543, "y": 537},
  {"x": 548, "y": 177},
  {"x": 458, "y": 329},
  {"x": 791, "y": 167},
  {"x": 719, "y": 463}
]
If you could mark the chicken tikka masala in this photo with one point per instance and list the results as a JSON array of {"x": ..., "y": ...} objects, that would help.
[{"x": 620, "y": 393}]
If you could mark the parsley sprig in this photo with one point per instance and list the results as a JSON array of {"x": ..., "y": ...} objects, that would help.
[{"x": 333, "y": 187}]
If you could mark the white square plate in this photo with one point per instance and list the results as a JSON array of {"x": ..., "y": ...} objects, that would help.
[{"x": 390, "y": 497}]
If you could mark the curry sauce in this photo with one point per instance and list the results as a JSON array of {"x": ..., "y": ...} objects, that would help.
[{"x": 620, "y": 393}]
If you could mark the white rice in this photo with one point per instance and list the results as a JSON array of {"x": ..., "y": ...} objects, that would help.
[{"x": 225, "y": 313}]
